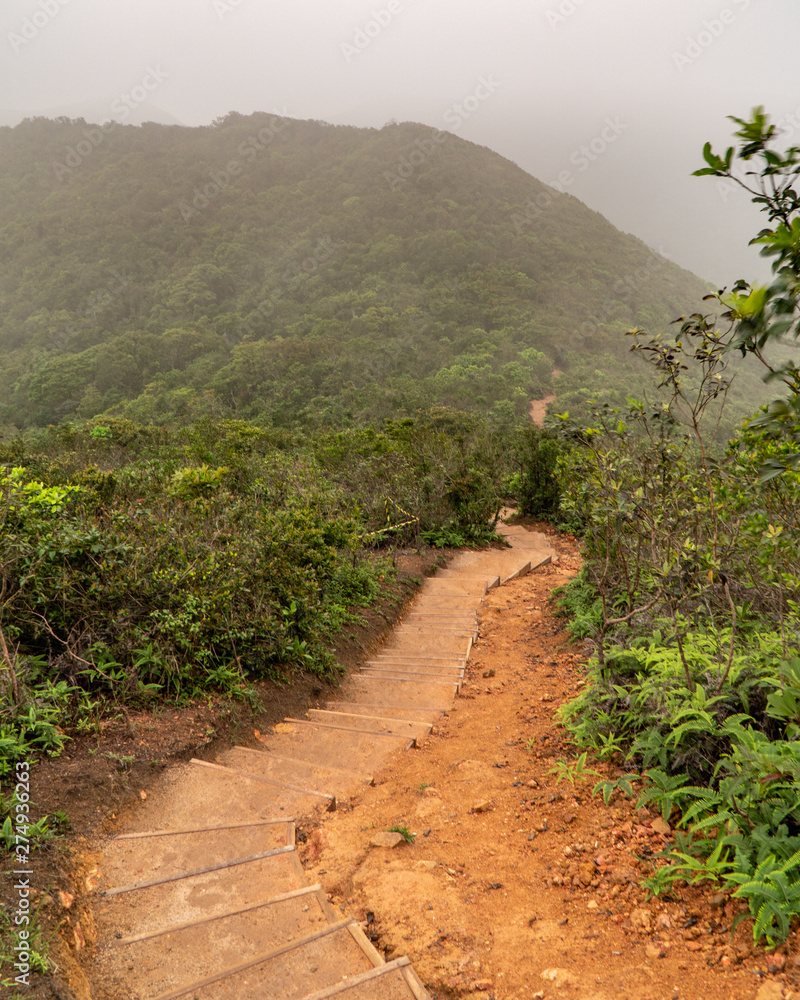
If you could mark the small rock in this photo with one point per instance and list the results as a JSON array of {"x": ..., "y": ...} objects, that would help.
[
  {"x": 560, "y": 977},
  {"x": 488, "y": 673},
  {"x": 621, "y": 876},
  {"x": 78, "y": 940},
  {"x": 547, "y": 697},
  {"x": 388, "y": 839},
  {"x": 654, "y": 951},
  {"x": 660, "y": 826},
  {"x": 533, "y": 783},
  {"x": 426, "y": 866},
  {"x": 142, "y": 795},
  {"x": 484, "y": 806},
  {"x": 541, "y": 826},
  {"x": 717, "y": 901},
  {"x": 640, "y": 919},
  {"x": 570, "y": 818},
  {"x": 770, "y": 991},
  {"x": 482, "y": 984},
  {"x": 663, "y": 922},
  {"x": 776, "y": 962},
  {"x": 592, "y": 904},
  {"x": 66, "y": 899}
]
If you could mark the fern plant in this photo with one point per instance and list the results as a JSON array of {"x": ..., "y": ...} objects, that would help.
[{"x": 772, "y": 895}]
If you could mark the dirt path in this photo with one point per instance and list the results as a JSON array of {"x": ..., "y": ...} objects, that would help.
[
  {"x": 201, "y": 891},
  {"x": 516, "y": 887},
  {"x": 538, "y": 409}
]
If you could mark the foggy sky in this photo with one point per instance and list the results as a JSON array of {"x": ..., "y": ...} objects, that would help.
[{"x": 616, "y": 97}]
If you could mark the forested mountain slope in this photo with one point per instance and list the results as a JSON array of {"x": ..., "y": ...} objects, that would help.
[{"x": 293, "y": 271}]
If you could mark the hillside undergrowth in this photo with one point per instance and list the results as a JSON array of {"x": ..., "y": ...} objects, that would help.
[
  {"x": 690, "y": 592},
  {"x": 141, "y": 563}
]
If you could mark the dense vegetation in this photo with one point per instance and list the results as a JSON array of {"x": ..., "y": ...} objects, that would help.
[
  {"x": 141, "y": 562},
  {"x": 244, "y": 361},
  {"x": 297, "y": 273},
  {"x": 691, "y": 586}
]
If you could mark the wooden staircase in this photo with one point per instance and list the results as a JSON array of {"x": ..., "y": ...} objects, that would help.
[{"x": 207, "y": 898}]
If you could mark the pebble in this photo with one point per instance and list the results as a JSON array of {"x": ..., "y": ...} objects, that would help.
[
  {"x": 388, "y": 839},
  {"x": 559, "y": 977},
  {"x": 483, "y": 806},
  {"x": 770, "y": 991}
]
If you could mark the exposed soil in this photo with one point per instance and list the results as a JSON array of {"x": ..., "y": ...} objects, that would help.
[
  {"x": 101, "y": 774},
  {"x": 538, "y": 409},
  {"x": 514, "y": 887},
  {"x": 517, "y": 886}
]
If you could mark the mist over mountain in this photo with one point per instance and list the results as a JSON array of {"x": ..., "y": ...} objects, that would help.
[{"x": 295, "y": 271}]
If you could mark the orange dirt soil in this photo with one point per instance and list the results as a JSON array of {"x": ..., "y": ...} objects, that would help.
[{"x": 517, "y": 887}]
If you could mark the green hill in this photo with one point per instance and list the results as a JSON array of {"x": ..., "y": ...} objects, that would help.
[{"x": 297, "y": 272}]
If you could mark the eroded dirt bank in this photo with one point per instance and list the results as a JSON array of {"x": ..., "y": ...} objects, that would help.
[{"x": 515, "y": 886}]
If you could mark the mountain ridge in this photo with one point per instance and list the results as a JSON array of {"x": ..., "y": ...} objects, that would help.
[{"x": 160, "y": 266}]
